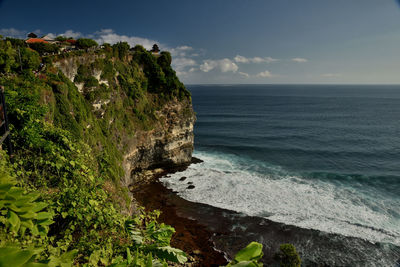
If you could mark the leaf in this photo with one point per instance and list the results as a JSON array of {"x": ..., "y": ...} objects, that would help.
[
  {"x": 11, "y": 256},
  {"x": 27, "y": 223},
  {"x": 43, "y": 216},
  {"x": 170, "y": 254},
  {"x": 39, "y": 206},
  {"x": 246, "y": 264},
  {"x": 5, "y": 187},
  {"x": 149, "y": 260},
  {"x": 35, "y": 230},
  {"x": 28, "y": 215},
  {"x": 128, "y": 256},
  {"x": 253, "y": 251},
  {"x": 14, "y": 221}
]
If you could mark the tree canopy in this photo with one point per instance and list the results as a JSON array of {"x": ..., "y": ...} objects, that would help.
[{"x": 86, "y": 43}]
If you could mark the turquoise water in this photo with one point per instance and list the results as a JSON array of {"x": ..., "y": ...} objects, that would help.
[{"x": 316, "y": 157}]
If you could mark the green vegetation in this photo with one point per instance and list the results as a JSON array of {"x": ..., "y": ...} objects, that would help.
[
  {"x": 288, "y": 256},
  {"x": 248, "y": 257},
  {"x": 61, "y": 200},
  {"x": 85, "y": 43},
  {"x": 43, "y": 48}
]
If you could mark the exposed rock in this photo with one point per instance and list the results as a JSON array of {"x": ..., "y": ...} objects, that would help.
[
  {"x": 168, "y": 145},
  {"x": 196, "y": 160},
  {"x": 190, "y": 187},
  {"x": 69, "y": 66},
  {"x": 183, "y": 178}
]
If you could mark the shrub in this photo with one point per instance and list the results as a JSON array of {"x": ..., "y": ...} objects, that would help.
[
  {"x": 85, "y": 43},
  {"x": 30, "y": 59},
  {"x": 43, "y": 48},
  {"x": 288, "y": 256},
  {"x": 121, "y": 50}
]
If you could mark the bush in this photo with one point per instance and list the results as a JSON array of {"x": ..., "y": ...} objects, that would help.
[
  {"x": 121, "y": 50},
  {"x": 30, "y": 59},
  {"x": 43, "y": 48},
  {"x": 7, "y": 57},
  {"x": 288, "y": 256},
  {"x": 85, "y": 43},
  {"x": 61, "y": 38}
]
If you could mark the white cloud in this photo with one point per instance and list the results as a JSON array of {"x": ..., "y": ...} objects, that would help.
[
  {"x": 193, "y": 69},
  {"x": 184, "y": 48},
  {"x": 73, "y": 34},
  {"x": 331, "y": 75},
  {"x": 299, "y": 60},
  {"x": 264, "y": 74},
  {"x": 244, "y": 74},
  {"x": 68, "y": 33},
  {"x": 109, "y": 36},
  {"x": 181, "y": 63},
  {"x": 12, "y": 32},
  {"x": 242, "y": 59},
  {"x": 181, "y": 51},
  {"x": 224, "y": 65}
]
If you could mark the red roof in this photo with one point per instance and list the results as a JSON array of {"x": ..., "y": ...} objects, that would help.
[
  {"x": 35, "y": 40},
  {"x": 71, "y": 41}
]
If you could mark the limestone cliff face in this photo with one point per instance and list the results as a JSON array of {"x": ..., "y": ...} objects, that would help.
[{"x": 169, "y": 144}]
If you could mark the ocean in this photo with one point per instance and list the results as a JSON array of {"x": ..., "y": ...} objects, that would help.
[{"x": 319, "y": 157}]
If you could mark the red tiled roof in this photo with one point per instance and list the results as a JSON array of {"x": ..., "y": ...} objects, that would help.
[
  {"x": 35, "y": 40},
  {"x": 71, "y": 41}
]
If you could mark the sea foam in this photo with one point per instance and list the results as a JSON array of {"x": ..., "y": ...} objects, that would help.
[{"x": 258, "y": 189}]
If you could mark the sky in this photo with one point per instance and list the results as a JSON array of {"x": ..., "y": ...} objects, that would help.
[{"x": 235, "y": 41}]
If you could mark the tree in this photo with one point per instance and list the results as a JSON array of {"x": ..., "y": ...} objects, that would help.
[
  {"x": 121, "y": 49},
  {"x": 30, "y": 59},
  {"x": 85, "y": 43},
  {"x": 16, "y": 42},
  {"x": 43, "y": 48},
  {"x": 139, "y": 48},
  {"x": 61, "y": 38},
  {"x": 165, "y": 59},
  {"x": 32, "y": 35},
  {"x": 7, "y": 57},
  {"x": 155, "y": 49}
]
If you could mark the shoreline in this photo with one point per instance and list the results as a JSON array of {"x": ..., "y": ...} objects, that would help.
[
  {"x": 190, "y": 236},
  {"x": 210, "y": 235}
]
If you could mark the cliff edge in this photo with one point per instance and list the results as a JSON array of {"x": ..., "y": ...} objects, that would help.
[{"x": 86, "y": 125}]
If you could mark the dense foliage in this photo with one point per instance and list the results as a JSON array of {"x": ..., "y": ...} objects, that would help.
[
  {"x": 288, "y": 256},
  {"x": 60, "y": 198},
  {"x": 61, "y": 201},
  {"x": 85, "y": 43}
]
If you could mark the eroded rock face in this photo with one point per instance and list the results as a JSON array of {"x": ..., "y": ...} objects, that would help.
[
  {"x": 169, "y": 144},
  {"x": 69, "y": 66}
]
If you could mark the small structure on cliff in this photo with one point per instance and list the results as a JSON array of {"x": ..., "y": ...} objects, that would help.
[{"x": 155, "y": 50}]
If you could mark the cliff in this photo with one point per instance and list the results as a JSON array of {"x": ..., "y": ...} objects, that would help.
[
  {"x": 85, "y": 125},
  {"x": 164, "y": 142}
]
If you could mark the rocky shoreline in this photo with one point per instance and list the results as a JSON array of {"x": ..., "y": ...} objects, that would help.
[
  {"x": 212, "y": 235},
  {"x": 190, "y": 236}
]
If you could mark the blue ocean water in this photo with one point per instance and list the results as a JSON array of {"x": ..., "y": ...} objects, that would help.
[{"x": 324, "y": 157}]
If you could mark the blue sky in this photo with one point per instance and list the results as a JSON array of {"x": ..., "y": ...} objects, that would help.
[{"x": 236, "y": 41}]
